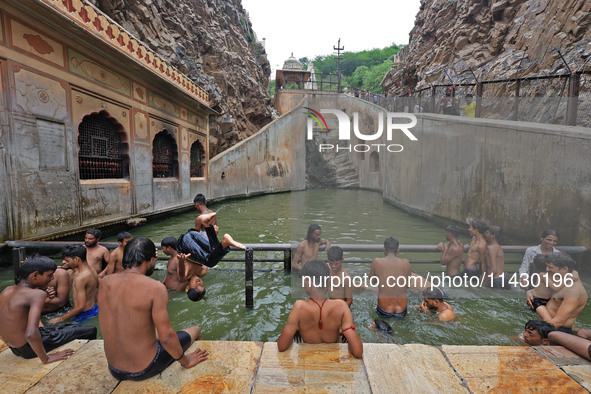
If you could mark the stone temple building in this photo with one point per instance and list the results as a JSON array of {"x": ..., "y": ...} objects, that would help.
[
  {"x": 95, "y": 128},
  {"x": 292, "y": 73}
]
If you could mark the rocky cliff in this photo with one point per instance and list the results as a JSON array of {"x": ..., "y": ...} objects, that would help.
[
  {"x": 212, "y": 42},
  {"x": 495, "y": 38}
]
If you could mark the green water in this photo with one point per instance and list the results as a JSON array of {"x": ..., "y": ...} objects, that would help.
[{"x": 485, "y": 317}]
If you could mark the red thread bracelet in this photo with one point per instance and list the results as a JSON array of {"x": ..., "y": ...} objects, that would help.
[{"x": 350, "y": 328}]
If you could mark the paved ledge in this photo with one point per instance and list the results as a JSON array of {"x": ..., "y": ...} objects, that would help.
[{"x": 244, "y": 367}]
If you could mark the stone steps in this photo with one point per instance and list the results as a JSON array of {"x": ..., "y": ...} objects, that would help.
[{"x": 244, "y": 367}]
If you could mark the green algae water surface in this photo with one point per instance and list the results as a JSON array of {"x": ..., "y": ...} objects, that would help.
[{"x": 484, "y": 316}]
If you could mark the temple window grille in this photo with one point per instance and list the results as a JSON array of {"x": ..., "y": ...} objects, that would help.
[
  {"x": 102, "y": 149},
  {"x": 164, "y": 156},
  {"x": 197, "y": 159}
]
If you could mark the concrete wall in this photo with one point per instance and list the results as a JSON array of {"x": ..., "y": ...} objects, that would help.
[
  {"x": 272, "y": 160},
  {"x": 524, "y": 177}
]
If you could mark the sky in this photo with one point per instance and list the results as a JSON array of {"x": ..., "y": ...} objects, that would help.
[{"x": 313, "y": 27}]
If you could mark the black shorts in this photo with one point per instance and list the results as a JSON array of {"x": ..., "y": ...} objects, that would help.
[
  {"x": 160, "y": 362},
  {"x": 538, "y": 302},
  {"x": 56, "y": 336}
]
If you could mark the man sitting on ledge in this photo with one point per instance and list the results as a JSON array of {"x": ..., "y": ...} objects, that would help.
[
  {"x": 132, "y": 310},
  {"x": 319, "y": 320},
  {"x": 20, "y": 310}
]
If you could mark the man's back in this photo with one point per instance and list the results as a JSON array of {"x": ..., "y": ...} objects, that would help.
[
  {"x": 15, "y": 302},
  {"x": 476, "y": 252},
  {"x": 309, "y": 319},
  {"x": 125, "y": 302},
  {"x": 393, "y": 274},
  {"x": 117, "y": 260}
]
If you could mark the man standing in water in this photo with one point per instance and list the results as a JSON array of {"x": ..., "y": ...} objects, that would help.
[
  {"x": 84, "y": 284},
  {"x": 495, "y": 260},
  {"x": 391, "y": 271},
  {"x": 133, "y": 314},
  {"x": 452, "y": 251},
  {"x": 115, "y": 264},
  {"x": 477, "y": 248},
  {"x": 96, "y": 254},
  {"x": 307, "y": 250}
]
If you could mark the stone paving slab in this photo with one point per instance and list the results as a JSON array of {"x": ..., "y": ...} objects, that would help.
[
  {"x": 310, "y": 368},
  {"x": 18, "y": 374},
  {"x": 231, "y": 367},
  {"x": 85, "y": 372},
  {"x": 410, "y": 368},
  {"x": 580, "y": 373},
  {"x": 516, "y": 369},
  {"x": 561, "y": 356}
]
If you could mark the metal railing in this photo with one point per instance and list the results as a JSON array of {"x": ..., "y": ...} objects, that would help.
[{"x": 19, "y": 254}]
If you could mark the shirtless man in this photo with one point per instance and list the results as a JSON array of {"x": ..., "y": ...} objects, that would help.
[
  {"x": 207, "y": 250},
  {"x": 570, "y": 296},
  {"x": 343, "y": 291},
  {"x": 319, "y": 320},
  {"x": 452, "y": 252},
  {"x": 20, "y": 311},
  {"x": 58, "y": 291},
  {"x": 392, "y": 299},
  {"x": 115, "y": 260},
  {"x": 494, "y": 260},
  {"x": 84, "y": 285},
  {"x": 171, "y": 279},
  {"x": 200, "y": 204},
  {"x": 433, "y": 301},
  {"x": 95, "y": 253},
  {"x": 133, "y": 314},
  {"x": 476, "y": 248},
  {"x": 307, "y": 250}
]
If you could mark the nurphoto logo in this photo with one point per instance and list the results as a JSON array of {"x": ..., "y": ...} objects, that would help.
[{"x": 344, "y": 128}]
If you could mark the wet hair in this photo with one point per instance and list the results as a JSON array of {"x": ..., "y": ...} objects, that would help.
[
  {"x": 196, "y": 295},
  {"x": 313, "y": 227},
  {"x": 433, "y": 293},
  {"x": 317, "y": 271},
  {"x": 391, "y": 244},
  {"x": 200, "y": 199},
  {"x": 171, "y": 242},
  {"x": 549, "y": 232},
  {"x": 543, "y": 328},
  {"x": 95, "y": 232},
  {"x": 335, "y": 253},
  {"x": 479, "y": 225},
  {"x": 540, "y": 261},
  {"x": 74, "y": 251},
  {"x": 496, "y": 231},
  {"x": 561, "y": 260},
  {"x": 453, "y": 230},
  {"x": 34, "y": 264},
  {"x": 123, "y": 236},
  {"x": 137, "y": 251},
  {"x": 382, "y": 326}
]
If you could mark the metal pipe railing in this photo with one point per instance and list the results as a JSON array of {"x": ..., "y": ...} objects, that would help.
[{"x": 19, "y": 255}]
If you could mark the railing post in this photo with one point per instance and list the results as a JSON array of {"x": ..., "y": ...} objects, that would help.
[
  {"x": 287, "y": 260},
  {"x": 516, "y": 103},
  {"x": 18, "y": 256},
  {"x": 479, "y": 92},
  {"x": 433, "y": 93},
  {"x": 248, "y": 277},
  {"x": 573, "y": 99}
]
